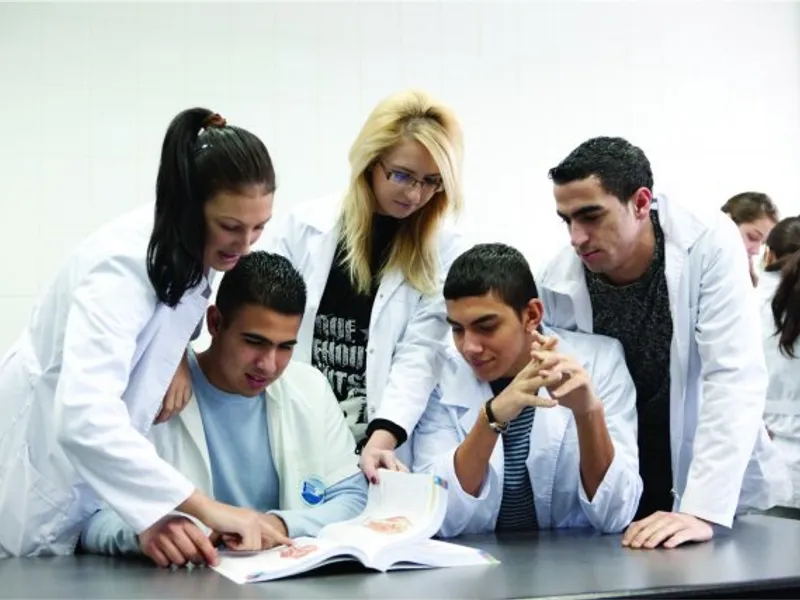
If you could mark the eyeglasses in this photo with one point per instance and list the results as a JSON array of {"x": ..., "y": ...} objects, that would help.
[{"x": 408, "y": 182}]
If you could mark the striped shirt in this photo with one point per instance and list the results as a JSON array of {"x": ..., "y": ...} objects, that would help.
[{"x": 517, "y": 510}]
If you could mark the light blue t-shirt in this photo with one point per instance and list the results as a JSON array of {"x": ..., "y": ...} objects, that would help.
[{"x": 237, "y": 436}]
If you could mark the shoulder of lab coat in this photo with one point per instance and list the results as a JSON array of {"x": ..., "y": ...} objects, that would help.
[
  {"x": 304, "y": 393},
  {"x": 442, "y": 429},
  {"x": 288, "y": 234},
  {"x": 111, "y": 302}
]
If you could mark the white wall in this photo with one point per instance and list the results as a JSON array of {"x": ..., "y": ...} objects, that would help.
[{"x": 711, "y": 90}]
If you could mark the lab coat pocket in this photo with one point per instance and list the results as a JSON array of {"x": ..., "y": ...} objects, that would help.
[{"x": 34, "y": 511}]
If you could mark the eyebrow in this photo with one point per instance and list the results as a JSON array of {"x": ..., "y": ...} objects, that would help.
[
  {"x": 478, "y": 321},
  {"x": 581, "y": 212},
  {"x": 254, "y": 337},
  {"x": 234, "y": 219},
  {"x": 393, "y": 167}
]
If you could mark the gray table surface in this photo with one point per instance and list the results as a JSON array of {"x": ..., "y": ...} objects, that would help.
[{"x": 759, "y": 554}]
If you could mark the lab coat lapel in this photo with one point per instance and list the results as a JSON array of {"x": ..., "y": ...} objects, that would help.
[
  {"x": 193, "y": 421},
  {"x": 277, "y": 445},
  {"x": 173, "y": 327},
  {"x": 679, "y": 235},
  {"x": 388, "y": 286},
  {"x": 569, "y": 282},
  {"x": 547, "y": 437},
  {"x": 320, "y": 261}
]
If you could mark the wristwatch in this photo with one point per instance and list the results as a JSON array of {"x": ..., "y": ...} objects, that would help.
[{"x": 497, "y": 427}]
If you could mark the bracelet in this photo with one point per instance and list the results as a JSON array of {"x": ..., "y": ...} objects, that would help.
[{"x": 496, "y": 427}]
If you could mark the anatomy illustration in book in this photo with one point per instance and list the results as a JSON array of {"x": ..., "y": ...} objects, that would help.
[{"x": 389, "y": 525}]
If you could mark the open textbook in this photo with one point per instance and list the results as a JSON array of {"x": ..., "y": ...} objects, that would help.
[{"x": 403, "y": 511}]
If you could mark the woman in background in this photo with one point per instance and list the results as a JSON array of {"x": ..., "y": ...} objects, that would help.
[
  {"x": 755, "y": 214},
  {"x": 374, "y": 262},
  {"x": 779, "y": 291},
  {"x": 84, "y": 382}
]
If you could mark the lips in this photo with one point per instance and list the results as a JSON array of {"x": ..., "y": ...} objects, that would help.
[
  {"x": 405, "y": 205},
  {"x": 255, "y": 382},
  {"x": 228, "y": 257},
  {"x": 479, "y": 364}
]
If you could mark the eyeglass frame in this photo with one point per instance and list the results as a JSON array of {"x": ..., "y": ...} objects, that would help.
[{"x": 423, "y": 185}]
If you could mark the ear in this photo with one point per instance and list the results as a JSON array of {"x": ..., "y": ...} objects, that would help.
[
  {"x": 533, "y": 315},
  {"x": 214, "y": 320},
  {"x": 641, "y": 201}
]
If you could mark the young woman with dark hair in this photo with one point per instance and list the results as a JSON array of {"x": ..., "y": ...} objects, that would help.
[{"x": 83, "y": 383}]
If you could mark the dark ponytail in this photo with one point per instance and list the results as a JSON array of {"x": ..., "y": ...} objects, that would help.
[
  {"x": 195, "y": 166},
  {"x": 786, "y": 305}
]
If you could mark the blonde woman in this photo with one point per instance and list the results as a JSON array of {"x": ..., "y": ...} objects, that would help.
[{"x": 374, "y": 262}]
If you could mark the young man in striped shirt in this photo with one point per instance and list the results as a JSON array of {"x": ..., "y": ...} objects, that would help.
[{"x": 532, "y": 427}]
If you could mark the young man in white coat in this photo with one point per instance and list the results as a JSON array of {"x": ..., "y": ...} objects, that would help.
[
  {"x": 262, "y": 431},
  {"x": 673, "y": 287},
  {"x": 533, "y": 428}
]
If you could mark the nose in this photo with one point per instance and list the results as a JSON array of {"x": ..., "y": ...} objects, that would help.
[
  {"x": 243, "y": 242},
  {"x": 753, "y": 248},
  {"x": 578, "y": 236},
  {"x": 267, "y": 362},
  {"x": 414, "y": 192},
  {"x": 471, "y": 345}
]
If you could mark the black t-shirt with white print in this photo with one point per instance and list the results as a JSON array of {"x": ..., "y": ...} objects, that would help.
[{"x": 341, "y": 328}]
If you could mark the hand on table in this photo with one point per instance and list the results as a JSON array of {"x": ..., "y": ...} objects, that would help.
[{"x": 668, "y": 529}]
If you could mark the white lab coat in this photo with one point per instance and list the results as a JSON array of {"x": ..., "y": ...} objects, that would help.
[
  {"x": 308, "y": 437},
  {"x": 407, "y": 329},
  {"x": 721, "y": 455},
  {"x": 81, "y": 387},
  {"x": 554, "y": 456},
  {"x": 782, "y": 412}
]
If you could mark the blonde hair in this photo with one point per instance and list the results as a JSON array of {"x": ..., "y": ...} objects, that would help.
[{"x": 410, "y": 115}]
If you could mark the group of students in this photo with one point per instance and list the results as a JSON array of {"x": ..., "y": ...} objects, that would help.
[
  {"x": 623, "y": 389},
  {"x": 776, "y": 277}
]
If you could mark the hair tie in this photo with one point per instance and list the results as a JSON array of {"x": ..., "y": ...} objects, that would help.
[{"x": 214, "y": 120}]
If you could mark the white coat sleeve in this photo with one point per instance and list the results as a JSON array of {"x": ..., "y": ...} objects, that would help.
[
  {"x": 92, "y": 421},
  {"x": 733, "y": 378},
  {"x": 419, "y": 355},
  {"x": 617, "y": 498},
  {"x": 435, "y": 442}
]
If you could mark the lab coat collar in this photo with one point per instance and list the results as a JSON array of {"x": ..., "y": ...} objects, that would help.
[
  {"x": 325, "y": 214},
  {"x": 680, "y": 226}
]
